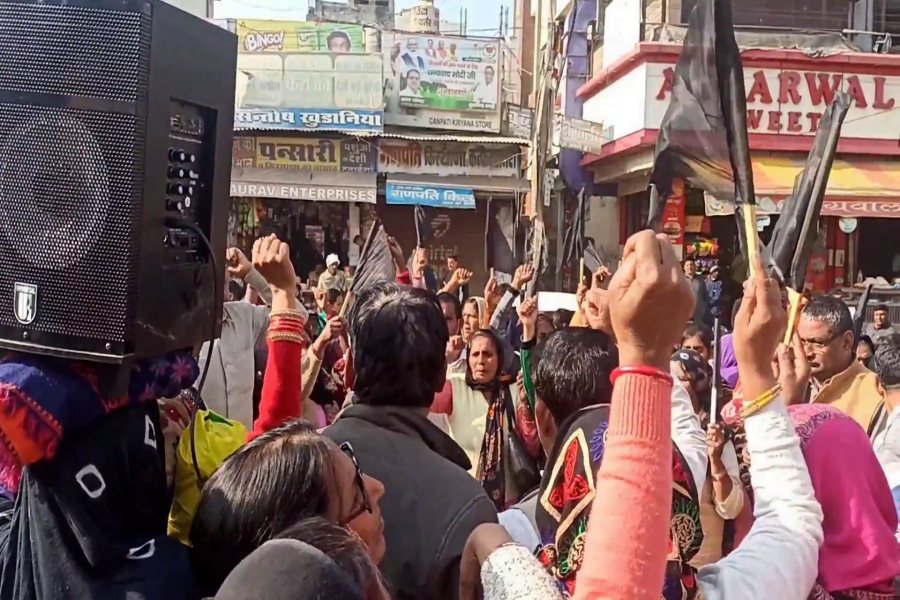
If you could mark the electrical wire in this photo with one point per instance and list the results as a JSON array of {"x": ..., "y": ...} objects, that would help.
[{"x": 177, "y": 223}]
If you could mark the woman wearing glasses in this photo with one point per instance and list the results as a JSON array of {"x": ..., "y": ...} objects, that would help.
[
  {"x": 280, "y": 478},
  {"x": 287, "y": 472}
]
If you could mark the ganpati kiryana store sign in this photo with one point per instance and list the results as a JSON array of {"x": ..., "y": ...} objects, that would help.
[{"x": 787, "y": 94}]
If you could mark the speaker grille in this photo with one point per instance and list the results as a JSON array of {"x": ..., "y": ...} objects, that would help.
[
  {"x": 73, "y": 51},
  {"x": 67, "y": 204}
]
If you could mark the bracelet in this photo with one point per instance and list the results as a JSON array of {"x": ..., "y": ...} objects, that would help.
[
  {"x": 764, "y": 400},
  {"x": 285, "y": 336},
  {"x": 288, "y": 320},
  {"x": 289, "y": 313},
  {"x": 719, "y": 476},
  {"x": 640, "y": 370},
  {"x": 290, "y": 326}
]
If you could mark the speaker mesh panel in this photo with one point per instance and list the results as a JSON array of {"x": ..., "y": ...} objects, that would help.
[
  {"x": 66, "y": 201},
  {"x": 72, "y": 51},
  {"x": 71, "y": 179}
]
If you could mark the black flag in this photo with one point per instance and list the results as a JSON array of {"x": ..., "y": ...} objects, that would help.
[
  {"x": 859, "y": 315},
  {"x": 422, "y": 228},
  {"x": 499, "y": 253},
  {"x": 376, "y": 263},
  {"x": 703, "y": 136},
  {"x": 592, "y": 260},
  {"x": 573, "y": 243},
  {"x": 539, "y": 258},
  {"x": 795, "y": 233}
]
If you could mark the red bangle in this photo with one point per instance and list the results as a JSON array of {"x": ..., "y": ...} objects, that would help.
[{"x": 640, "y": 370}]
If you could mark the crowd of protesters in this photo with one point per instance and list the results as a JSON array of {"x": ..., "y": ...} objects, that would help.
[{"x": 424, "y": 443}]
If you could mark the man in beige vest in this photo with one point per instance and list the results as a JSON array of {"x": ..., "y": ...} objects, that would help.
[{"x": 826, "y": 330}]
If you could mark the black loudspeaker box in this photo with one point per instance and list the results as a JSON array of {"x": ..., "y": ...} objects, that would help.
[{"x": 116, "y": 127}]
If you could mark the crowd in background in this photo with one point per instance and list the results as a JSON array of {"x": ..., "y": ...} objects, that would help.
[{"x": 410, "y": 440}]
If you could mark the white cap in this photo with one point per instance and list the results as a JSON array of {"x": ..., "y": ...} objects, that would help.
[{"x": 332, "y": 259}]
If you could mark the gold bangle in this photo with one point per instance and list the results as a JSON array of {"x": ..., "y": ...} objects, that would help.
[
  {"x": 286, "y": 336},
  {"x": 764, "y": 400},
  {"x": 288, "y": 313}
]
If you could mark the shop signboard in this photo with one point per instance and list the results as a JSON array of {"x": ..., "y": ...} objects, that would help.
[
  {"x": 346, "y": 155},
  {"x": 429, "y": 195},
  {"x": 448, "y": 158},
  {"x": 289, "y": 191},
  {"x": 310, "y": 154},
  {"x": 441, "y": 82},
  {"x": 306, "y": 76},
  {"x": 883, "y": 208},
  {"x": 517, "y": 123},
  {"x": 577, "y": 134}
]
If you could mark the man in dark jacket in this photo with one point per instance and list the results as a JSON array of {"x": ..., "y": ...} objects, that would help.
[{"x": 431, "y": 504}]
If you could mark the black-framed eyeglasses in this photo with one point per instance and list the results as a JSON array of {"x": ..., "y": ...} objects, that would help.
[
  {"x": 819, "y": 344},
  {"x": 366, "y": 506}
]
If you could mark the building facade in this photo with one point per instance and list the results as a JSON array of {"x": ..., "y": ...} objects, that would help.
[
  {"x": 337, "y": 123},
  {"x": 788, "y": 90}
]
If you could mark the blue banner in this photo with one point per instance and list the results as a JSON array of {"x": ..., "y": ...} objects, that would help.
[
  {"x": 321, "y": 119},
  {"x": 429, "y": 195}
]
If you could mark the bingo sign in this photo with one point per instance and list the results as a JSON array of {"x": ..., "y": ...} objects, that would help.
[
  {"x": 306, "y": 77},
  {"x": 429, "y": 195}
]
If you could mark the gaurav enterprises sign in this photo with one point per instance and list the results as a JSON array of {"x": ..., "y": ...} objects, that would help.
[
  {"x": 284, "y": 191},
  {"x": 441, "y": 82},
  {"x": 429, "y": 195},
  {"x": 306, "y": 76}
]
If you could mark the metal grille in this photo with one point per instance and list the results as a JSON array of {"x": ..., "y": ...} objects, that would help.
[
  {"x": 67, "y": 201},
  {"x": 71, "y": 51}
]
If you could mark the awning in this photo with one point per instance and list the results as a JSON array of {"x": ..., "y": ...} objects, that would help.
[
  {"x": 322, "y": 186},
  {"x": 857, "y": 187}
]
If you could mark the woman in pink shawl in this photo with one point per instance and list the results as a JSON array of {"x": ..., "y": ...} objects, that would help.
[{"x": 860, "y": 556}]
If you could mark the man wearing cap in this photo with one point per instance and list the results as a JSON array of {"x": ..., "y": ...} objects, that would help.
[{"x": 332, "y": 278}]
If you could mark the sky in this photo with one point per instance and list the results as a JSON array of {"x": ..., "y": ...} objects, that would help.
[{"x": 483, "y": 15}]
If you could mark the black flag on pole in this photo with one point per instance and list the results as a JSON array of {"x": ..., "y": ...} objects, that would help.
[
  {"x": 703, "y": 136},
  {"x": 422, "y": 228},
  {"x": 795, "y": 233},
  {"x": 539, "y": 258},
  {"x": 376, "y": 263},
  {"x": 499, "y": 253},
  {"x": 573, "y": 243}
]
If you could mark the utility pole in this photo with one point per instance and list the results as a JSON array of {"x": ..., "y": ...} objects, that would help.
[{"x": 542, "y": 128}]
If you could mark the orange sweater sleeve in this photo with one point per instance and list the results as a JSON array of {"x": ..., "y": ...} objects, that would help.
[{"x": 627, "y": 538}]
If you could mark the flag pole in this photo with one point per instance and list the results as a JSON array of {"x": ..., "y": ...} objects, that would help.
[
  {"x": 749, "y": 212},
  {"x": 581, "y": 271}
]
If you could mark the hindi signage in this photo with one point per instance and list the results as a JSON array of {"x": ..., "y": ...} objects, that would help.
[
  {"x": 309, "y": 154},
  {"x": 429, "y": 195},
  {"x": 517, "y": 122},
  {"x": 442, "y": 82},
  {"x": 346, "y": 155},
  {"x": 306, "y": 76},
  {"x": 576, "y": 134},
  {"x": 448, "y": 158}
]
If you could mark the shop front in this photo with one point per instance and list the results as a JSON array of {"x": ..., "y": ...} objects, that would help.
[
  {"x": 460, "y": 184},
  {"x": 309, "y": 191},
  {"x": 787, "y": 93}
]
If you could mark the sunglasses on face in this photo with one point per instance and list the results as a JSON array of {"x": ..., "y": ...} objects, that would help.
[{"x": 365, "y": 506}]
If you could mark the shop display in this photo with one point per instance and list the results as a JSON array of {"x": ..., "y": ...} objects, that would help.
[{"x": 703, "y": 251}]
